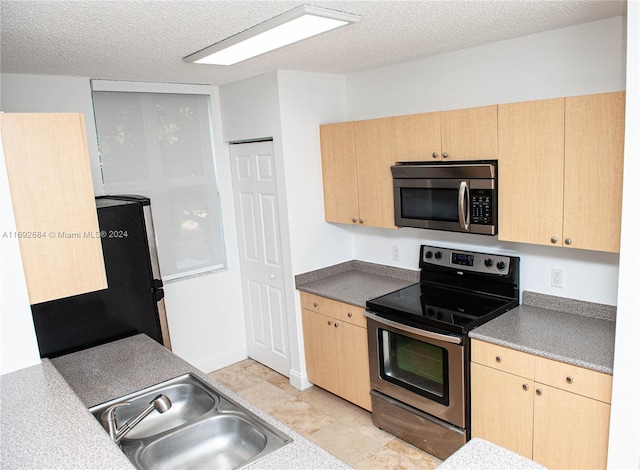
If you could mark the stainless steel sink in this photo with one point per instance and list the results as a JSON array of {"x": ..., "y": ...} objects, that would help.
[{"x": 203, "y": 429}]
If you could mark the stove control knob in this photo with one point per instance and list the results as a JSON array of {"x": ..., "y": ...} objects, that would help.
[
  {"x": 430, "y": 312},
  {"x": 488, "y": 262},
  {"x": 428, "y": 255},
  {"x": 501, "y": 265},
  {"x": 438, "y": 255},
  {"x": 439, "y": 315}
]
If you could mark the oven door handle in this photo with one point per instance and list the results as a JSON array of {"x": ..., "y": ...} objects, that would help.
[
  {"x": 463, "y": 206},
  {"x": 415, "y": 331}
]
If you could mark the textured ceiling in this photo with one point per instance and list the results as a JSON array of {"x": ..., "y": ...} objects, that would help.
[{"x": 145, "y": 40}]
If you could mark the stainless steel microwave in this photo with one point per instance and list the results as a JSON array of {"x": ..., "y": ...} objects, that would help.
[{"x": 451, "y": 196}]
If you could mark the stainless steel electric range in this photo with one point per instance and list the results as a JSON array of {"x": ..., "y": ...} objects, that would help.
[{"x": 419, "y": 349}]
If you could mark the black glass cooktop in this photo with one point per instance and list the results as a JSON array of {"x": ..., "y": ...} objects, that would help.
[{"x": 424, "y": 306}]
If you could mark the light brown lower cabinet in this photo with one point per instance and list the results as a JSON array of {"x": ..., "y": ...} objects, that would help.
[
  {"x": 564, "y": 425},
  {"x": 335, "y": 348}
]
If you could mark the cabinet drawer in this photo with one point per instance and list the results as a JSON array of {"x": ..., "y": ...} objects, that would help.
[
  {"x": 504, "y": 359},
  {"x": 338, "y": 310},
  {"x": 589, "y": 383}
]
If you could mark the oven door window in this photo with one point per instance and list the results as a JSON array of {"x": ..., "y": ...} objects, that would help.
[{"x": 415, "y": 365}]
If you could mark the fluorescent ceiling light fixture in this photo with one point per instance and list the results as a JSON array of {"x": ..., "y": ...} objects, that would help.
[{"x": 295, "y": 25}]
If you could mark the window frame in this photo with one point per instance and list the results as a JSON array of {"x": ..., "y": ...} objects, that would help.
[{"x": 184, "y": 89}]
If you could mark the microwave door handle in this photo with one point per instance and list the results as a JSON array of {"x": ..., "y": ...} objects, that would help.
[{"x": 463, "y": 206}]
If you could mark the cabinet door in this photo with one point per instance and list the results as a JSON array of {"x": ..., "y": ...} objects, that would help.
[
  {"x": 375, "y": 151},
  {"x": 52, "y": 194},
  {"x": 502, "y": 409},
  {"x": 320, "y": 350},
  {"x": 571, "y": 431},
  {"x": 339, "y": 174},
  {"x": 470, "y": 134},
  {"x": 531, "y": 146},
  {"x": 353, "y": 364},
  {"x": 417, "y": 137},
  {"x": 593, "y": 171}
]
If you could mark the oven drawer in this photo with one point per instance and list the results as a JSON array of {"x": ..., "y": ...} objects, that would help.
[
  {"x": 589, "y": 383},
  {"x": 338, "y": 310},
  {"x": 502, "y": 358}
]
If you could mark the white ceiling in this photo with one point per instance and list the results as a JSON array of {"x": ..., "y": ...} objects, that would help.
[{"x": 145, "y": 40}]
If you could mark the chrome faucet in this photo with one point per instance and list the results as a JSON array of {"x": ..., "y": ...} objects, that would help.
[{"x": 161, "y": 403}]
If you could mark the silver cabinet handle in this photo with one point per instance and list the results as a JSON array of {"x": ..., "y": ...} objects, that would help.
[
  {"x": 567, "y": 241},
  {"x": 463, "y": 206},
  {"x": 362, "y": 221},
  {"x": 315, "y": 304},
  {"x": 569, "y": 380},
  {"x": 525, "y": 387},
  {"x": 498, "y": 359},
  {"x": 554, "y": 240},
  {"x": 329, "y": 322},
  {"x": 435, "y": 155},
  {"x": 410, "y": 329},
  {"x": 445, "y": 154},
  {"x": 349, "y": 314},
  {"x": 538, "y": 391},
  {"x": 354, "y": 220}
]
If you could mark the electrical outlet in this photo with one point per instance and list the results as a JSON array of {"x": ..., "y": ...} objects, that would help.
[
  {"x": 556, "y": 278},
  {"x": 395, "y": 252}
]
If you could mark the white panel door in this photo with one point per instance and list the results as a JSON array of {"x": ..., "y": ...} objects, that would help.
[{"x": 255, "y": 195}]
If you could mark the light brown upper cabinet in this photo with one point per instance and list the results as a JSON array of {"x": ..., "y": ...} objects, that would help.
[
  {"x": 460, "y": 134},
  {"x": 560, "y": 174},
  {"x": 593, "y": 159},
  {"x": 339, "y": 172},
  {"x": 51, "y": 188},
  {"x": 356, "y": 161},
  {"x": 530, "y": 172}
]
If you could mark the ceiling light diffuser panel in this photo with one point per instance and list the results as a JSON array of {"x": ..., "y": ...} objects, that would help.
[{"x": 295, "y": 25}]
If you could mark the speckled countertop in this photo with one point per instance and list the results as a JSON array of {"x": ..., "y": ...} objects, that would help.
[
  {"x": 46, "y": 422},
  {"x": 355, "y": 282},
  {"x": 570, "y": 331},
  {"x": 45, "y": 425},
  {"x": 484, "y": 455},
  {"x": 565, "y": 330}
]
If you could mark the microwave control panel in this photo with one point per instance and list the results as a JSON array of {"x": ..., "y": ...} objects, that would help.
[{"x": 481, "y": 206}]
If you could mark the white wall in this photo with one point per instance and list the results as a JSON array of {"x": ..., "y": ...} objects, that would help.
[
  {"x": 307, "y": 99},
  {"x": 588, "y": 58},
  {"x": 624, "y": 437},
  {"x": 287, "y": 106},
  {"x": 18, "y": 343},
  {"x": 577, "y": 60},
  {"x": 205, "y": 313},
  {"x": 20, "y": 93}
]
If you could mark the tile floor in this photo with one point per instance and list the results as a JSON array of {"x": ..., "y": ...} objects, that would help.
[{"x": 341, "y": 428}]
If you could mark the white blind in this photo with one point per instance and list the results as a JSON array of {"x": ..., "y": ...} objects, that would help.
[{"x": 160, "y": 145}]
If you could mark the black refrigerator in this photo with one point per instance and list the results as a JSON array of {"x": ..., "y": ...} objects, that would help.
[{"x": 131, "y": 304}]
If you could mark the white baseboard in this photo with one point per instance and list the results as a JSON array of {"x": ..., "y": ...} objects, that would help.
[
  {"x": 219, "y": 361},
  {"x": 299, "y": 380}
]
